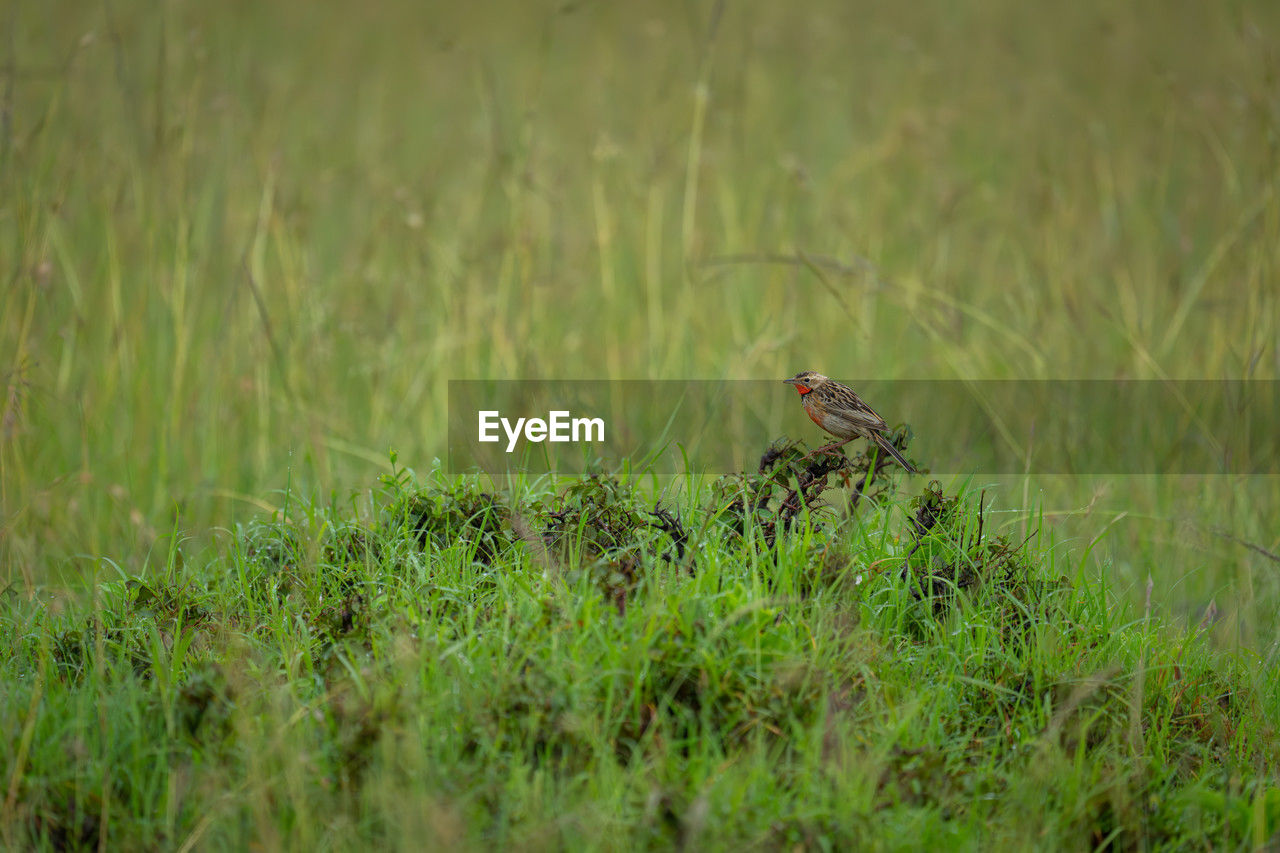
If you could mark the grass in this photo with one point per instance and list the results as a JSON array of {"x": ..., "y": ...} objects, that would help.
[
  {"x": 243, "y": 248},
  {"x": 548, "y": 668}
]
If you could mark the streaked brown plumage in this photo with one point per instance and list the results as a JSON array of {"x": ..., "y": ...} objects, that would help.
[{"x": 841, "y": 412}]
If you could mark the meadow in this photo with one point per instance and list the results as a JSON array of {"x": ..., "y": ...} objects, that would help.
[{"x": 245, "y": 246}]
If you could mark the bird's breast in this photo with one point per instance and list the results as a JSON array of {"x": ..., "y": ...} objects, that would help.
[{"x": 833, "y": 422}]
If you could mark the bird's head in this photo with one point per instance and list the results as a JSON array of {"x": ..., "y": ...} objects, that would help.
[{"x": 806, "y": 381}]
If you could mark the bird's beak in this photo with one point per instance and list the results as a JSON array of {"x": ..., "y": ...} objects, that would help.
[{"x": 789, "y": 382}]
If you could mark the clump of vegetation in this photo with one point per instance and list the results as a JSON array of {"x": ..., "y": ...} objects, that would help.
[
  {"x": 786, "y": 483},
  {"x": 954, "y": 554},
  {"x": 593, "y": 518},
  {"x": 791, "y": 481},
  {"x": 437, "y": 518},
  {"x": 596, "y": 525}
]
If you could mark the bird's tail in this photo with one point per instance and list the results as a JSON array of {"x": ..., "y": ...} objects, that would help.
[{"x": 887, "y": 446}]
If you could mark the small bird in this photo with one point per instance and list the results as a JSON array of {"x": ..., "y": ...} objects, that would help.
[{"x": 841, "y": 412}]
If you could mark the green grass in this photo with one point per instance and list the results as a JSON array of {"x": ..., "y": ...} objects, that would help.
[
  {"x": 243, "y": 247},
  {"x": 543, "y": 668}
]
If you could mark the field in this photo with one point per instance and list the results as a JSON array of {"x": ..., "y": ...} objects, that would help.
[{"x": 246, "y": 246}]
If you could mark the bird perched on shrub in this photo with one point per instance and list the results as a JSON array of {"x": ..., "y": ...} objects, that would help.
[{"x": 840, "y": 411}]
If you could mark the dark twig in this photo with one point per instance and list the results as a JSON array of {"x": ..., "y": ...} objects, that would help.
[
  {"x": 1270, "y": 555},
  {"x": 671, "y": 525}
]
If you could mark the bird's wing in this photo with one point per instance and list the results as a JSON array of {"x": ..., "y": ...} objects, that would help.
[{"x": 853, "y": 410}]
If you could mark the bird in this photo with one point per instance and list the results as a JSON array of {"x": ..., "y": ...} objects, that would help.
[{"x": 840, "y": 411}]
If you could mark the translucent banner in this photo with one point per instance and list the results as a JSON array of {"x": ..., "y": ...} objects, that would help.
[{"x": 956, "y": 427}]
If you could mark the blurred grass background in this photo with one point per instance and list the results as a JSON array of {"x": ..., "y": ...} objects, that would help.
[{"x": 244, "y": 246}]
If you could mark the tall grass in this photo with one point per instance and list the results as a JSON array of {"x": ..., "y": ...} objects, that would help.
[{"x": 244, "y": 244}]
